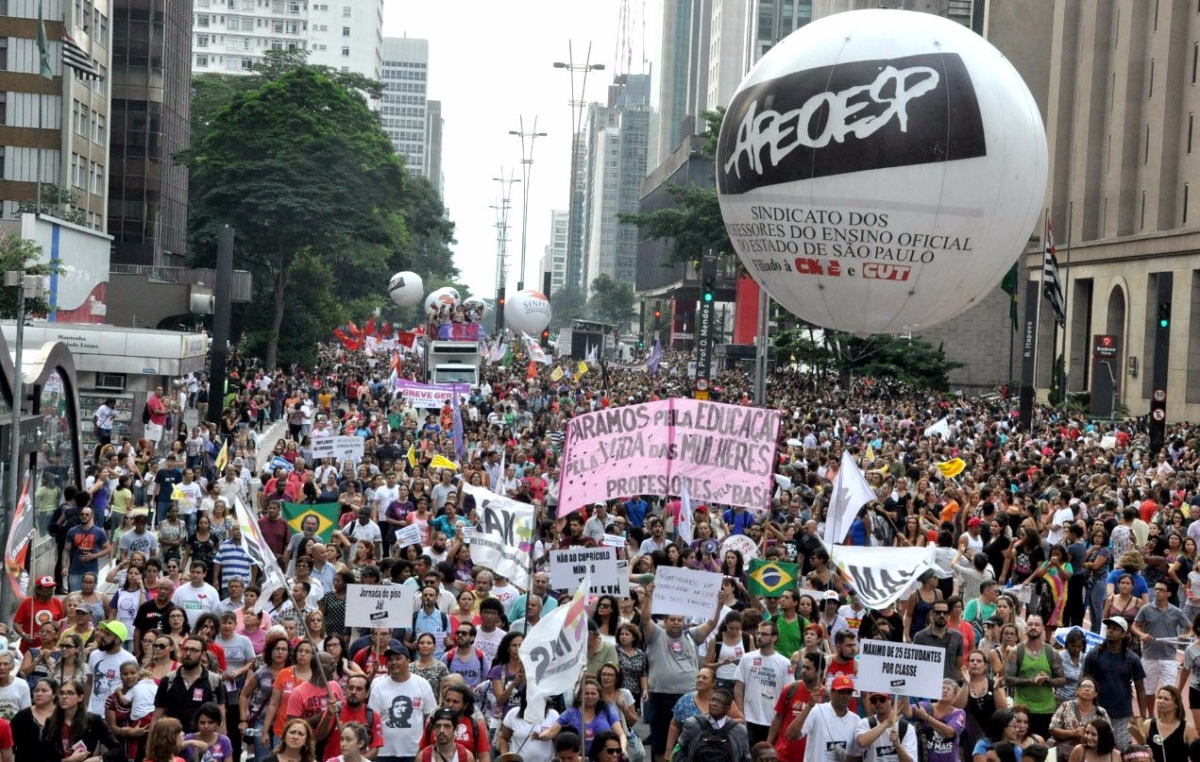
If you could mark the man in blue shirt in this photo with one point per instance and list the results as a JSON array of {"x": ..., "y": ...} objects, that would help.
[
  {"x": 635, "y": 514},
  {"x": 86, "y": 545},
  {"x": 1119, "y": 676},
  {"x": 165, "y": 480}
]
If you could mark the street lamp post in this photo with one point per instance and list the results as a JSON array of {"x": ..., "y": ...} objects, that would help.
[
  {"x": 575, "y": 276},
  {"x": 526, "y": 168},
  {"x": 501, "y": 207}
]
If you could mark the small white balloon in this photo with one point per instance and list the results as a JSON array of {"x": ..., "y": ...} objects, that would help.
[
  {"x": 406, "y": 289},
  {"x": 880, "y": 171},
  {"x": 527, "y": 311}
]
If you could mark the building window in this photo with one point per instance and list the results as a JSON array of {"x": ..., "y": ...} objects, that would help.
[
  {"x": 1191, "y": 124},
  {"x": 201, "y": 62},
  {"x": 1143, "y": 223},
  {"x": 1186, "y": 189},
  {"x": 1151, "y": 88},
  {"x": 346, "y": 11},
  {"x": 202, "y": 40},
  {"x": 247, "y": 64},
  {"x": 1146, "y": 156},
  {"x": 202, "y": 22},
  {"x": 294, "y": 8},
  {"x": 345, "y": 52},
  {"x": 345, "y": 31}
]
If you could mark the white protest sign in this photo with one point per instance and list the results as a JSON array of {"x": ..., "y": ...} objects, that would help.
[
  {"x": 689, "y": 593},
  {"x": 901, "y": 669},
  {"x": 569, "y": 567},
  {"x": 467, "y": 534},
  {"x": 613, "y": 541},
  {"x": 338, "y": 448},
  {"x": 388, "y": 606},
  {"x": 505, "y": 535},
  {"x": 409, "y": 535},
  {"x": 742, "y": 544},
  {"x": 554, "y": 653}
]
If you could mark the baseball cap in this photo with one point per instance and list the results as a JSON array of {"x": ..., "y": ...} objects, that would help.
[
  {"x": 830, "y": 595},
  {"x": 842, "y": 683},
  {"x": 395, "y": 650},
  {"x": 116, "y": 628},
  {"x": 974, "y": 521},
  {"x": 47, "y": 581},
  {"x": 1117, "y": 621},
  {"x": 994, "y": 620}
]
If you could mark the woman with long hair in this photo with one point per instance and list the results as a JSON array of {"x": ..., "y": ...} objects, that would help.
[
  {"x": 72, "y": 661},
  {"x": 427, "y": 665},
  {"x": 126, "y": 601},
  {"x": 980, "y": 696},
  {"x": 297, "y": 743},
  {"x": 607, "y": 746},
  {"x": 1025, "y": 739},
  {"x": 464, "y": 612},
  {"x": 1001, "y": 728},
  {"x": 162, "y": 656},
  {"x": 1125, "y": 604},
  {"x": 730, "y": 643},
  {"x": 592, "y": 713},
  {"x": 314, "y": 627},
  {"x": 1098, "y": 560},
  {"x": 29, "y": 724},
  {"x": 1097, "y": 743},
  {"x": 507, "y": 676},
  {"x": 1010, "y": 638},
  {"x": 632, "y": 660},
  {"x": 517, "y": 735},
  {"x": 614, "y": 693},
  {"x": 1024, "y": 557},
  {"x": 920, "y": 603},
  {"x": 301, "y": 671},
  {"x": 1182, "y": 593},
  {"x": 165, "y": 741},
  {"x": 177, "y": 628},
  {"x": 260, "y": 684},
  {"x": 72, "y": 725},
  {"x": 607, "y": 616},
  {"x": 1167, "y": 733},
  {"x": 1070, "y": 721},
  {"x": 343, "y": 668},
  {"x": 118, "y": 713}
]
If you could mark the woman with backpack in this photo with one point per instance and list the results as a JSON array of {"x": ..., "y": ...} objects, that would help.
[{"x": 729, "y": 645}]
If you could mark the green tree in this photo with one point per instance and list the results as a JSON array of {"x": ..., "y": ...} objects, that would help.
[
  {"x": 693, "y": 223},
  {"x": 298, "y": 166},
  {"x": 912, "y": 361},
  {"x": 612, "y": 300},
  {"x": 57, "y": 201},
  {"x": 17, "y": 253},
  {"x": 566, "y": 304}
]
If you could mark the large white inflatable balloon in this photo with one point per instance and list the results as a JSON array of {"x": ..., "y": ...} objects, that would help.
[
  {"x": 440, "y": 297},
  {"x": 527, "y": 311},
  {"x": 879, "y": 171},
  {"x": 406, "y": 289}
]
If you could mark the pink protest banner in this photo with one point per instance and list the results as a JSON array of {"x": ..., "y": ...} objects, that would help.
[{"x": 724, "y": 453}]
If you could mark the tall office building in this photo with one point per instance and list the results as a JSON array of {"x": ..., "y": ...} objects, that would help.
[
  {"x": 405, "y": 106},
  {"x": 231, "y": 36},
  {"x": 433, "y": 150},
  {"x": 773, "y": 20},
  {"x": 55, "y": 130},
  {"x": 615, "y": 167},
  {"x": 151, "y": 122},
  {"x": 575, "y": 262},
  {"x": 554, "y": 260}
]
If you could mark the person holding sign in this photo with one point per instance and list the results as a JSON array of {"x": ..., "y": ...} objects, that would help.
[
  {"x": 885, "y": 736},
  {"x": 829, "y": 727},
  {"x": 673, "y": 659}
]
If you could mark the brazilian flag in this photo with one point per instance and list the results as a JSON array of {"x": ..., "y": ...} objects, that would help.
[
  {"x": 771, "y": 578},
  {"x": 327, "y": 517}
]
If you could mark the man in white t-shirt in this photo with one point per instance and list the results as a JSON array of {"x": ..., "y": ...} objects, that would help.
[
  {"x": 759, "y": 681},
  {"x": 403, "y": 701},
  {"x": 197, "y": 597},
  {"x": 104, "y": 664},
  {"x": 14, "y": 692},
  {"x": 884, "y": 737},
  {"x": 829, "y": 727},
  {"x": 1058, "y": 523}
]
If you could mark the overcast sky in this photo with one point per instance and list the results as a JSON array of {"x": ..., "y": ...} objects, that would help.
[{"x": 490, "y": 63}]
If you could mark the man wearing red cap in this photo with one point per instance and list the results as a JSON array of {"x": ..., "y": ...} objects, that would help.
[
  {"x": 36, "y": 610},
  {"x": 830, "y": 727}
]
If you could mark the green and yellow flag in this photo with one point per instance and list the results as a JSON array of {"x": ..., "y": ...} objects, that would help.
[
  {"x": 327, "y": 517},
  {"x": 223, "y": 458},
  {"x": 771, "y": 578}
]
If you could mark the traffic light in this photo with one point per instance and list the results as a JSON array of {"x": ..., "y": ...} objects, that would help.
[
  {"x": 708, "y": 279},
  {"x": 500, "y": 309},
  {"x": 1164, "y": 314},
  {"x": 642, "y": 341},
  {"x": 546, "y": 337},
  {"x": 657, "y": 313}
]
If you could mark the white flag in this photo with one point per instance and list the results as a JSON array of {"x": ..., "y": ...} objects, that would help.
[
  {"x": 554, "y": 652},
  {"x": 881, "y": 575},
  {"x": 591, "y": 356},
  {"x": 941, "y": 428},
  {"x": 685, "y": 514},
  {"x": 850, "y": 493}
]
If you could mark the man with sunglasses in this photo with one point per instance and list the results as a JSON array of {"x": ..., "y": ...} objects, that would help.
[
  {"x": 885, "y": 736},
  {"x": 715, "y": 729},
  {"x": 152, "y": 614},
  {"x": 938, "y": 635}
]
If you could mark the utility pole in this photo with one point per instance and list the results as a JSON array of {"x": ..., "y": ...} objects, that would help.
[
  {"x": 704, "y": 324},
  {"x": 763, "y": 347},
  {"x": 222, "y": 308},
  {"x": 574, "y": 254},
  {"x": 526, "y": 169},
  {"x": 1162, "y": 352}
]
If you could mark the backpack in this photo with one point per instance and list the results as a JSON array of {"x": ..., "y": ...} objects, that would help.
[
  {"x": 146, "y": 413},
  {"x": 902, "y": 733},
  {"x": 214, "y": 680},
  {"x": 712, "y": 744},
  {"x": 882, "y": 529},
  {"x": 445, "y": 619}
]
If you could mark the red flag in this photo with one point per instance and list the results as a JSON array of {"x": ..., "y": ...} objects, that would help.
[
  {"x": 531, "y": 372},
  {"x": 395, "y": 364},
  {"x": 370, "y": 329},
  {"x": 386, "y": 333},
  {"x": 354, "y": 331},
  {"x": 408, "y": 339},
  {"x": 348, "y": 342}
]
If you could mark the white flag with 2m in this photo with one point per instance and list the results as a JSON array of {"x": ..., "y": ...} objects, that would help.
[{"x": 554, "y": 652}]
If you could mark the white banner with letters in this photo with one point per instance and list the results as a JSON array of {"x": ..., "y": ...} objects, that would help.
[
  {"x": 881, "y": 575},
  {"x": 554, "y": 653},
  {"x": 901, "y": 669},
  {"x": 690, "y": 593},
  {"x": 504, "y": 538},
  {"x": 339, "y": 448},
  {"x": 569, "y": 567},
  {"x": 388, "y": 606}
]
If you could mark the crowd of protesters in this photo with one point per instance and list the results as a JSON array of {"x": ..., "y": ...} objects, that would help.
[{"x": 156, "y": 640}]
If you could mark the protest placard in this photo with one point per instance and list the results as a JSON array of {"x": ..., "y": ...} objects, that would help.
[
  {"x": 569, "y": 567},
  {"x": 467, "y": 534},
  {"x": 409, "y": 535},
  {"x": 690, "y": 593},
  {"x": 613, "y": 541},
  {"x": 379, "y": 606},
  {"x": 901, "y": 669},
  {"x": 505, "y": 535},
  {"x": 725, "y": 453},
  {"x": 429, "y": 395},
  {"x": 339, "y": 448}
]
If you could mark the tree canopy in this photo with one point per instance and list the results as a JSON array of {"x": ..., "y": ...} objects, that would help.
[
  {"x": 612, "y": 300},
  {"x": 322, "y": 207},
  {"x": 911, "y": 361}
]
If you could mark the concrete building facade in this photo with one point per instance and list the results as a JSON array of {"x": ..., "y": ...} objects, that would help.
[
  {"x": 60, "y": 126},
  {"x": 405, "y": 106},
  {"x": 554, "y": 259}
]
